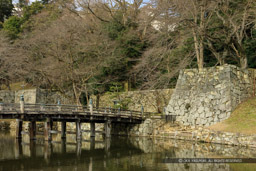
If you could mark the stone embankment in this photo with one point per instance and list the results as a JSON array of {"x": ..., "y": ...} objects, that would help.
[
  {"x": 208, "y": 96},
  {"x": 158, "y": 128}
]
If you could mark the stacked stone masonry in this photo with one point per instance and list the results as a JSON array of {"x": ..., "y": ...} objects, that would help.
[
  {"x": 161, "y": 129},
  {"x": 33, "y": 96},
  {"x": 207, "y": 96},
  {"x": 152, "y": 100}
]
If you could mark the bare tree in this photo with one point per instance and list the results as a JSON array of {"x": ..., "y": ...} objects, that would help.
[
  {"x": 11, "y": 66},
  {"x": 66, "y": 54},
  {"x": 237, "y": 18}
]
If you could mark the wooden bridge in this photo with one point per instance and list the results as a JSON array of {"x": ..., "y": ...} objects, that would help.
[{"x": 50, "y": 113}]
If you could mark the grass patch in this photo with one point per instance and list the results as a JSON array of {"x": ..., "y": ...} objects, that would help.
[
  {"x": 242, "y": 120},
  {"x": 243, "y": 167}
]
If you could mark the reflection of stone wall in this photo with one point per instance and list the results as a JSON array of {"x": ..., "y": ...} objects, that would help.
[
  {"x": 152, "y": 100},
  {"x": 210, "y": 95},
  {"x": 186, "y": 149}
]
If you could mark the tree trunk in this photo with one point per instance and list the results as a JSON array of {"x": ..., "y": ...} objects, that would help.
[
  {"x": 97, "y": 101},
  {"x": 243, "y": 62},
  {"x": 77, "y": 95},
  {"x": 199, "y": 51}
]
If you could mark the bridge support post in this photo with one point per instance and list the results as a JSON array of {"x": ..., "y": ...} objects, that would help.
[
  {"x": 63, "y": 146},
  {"x": 92, "y": 143},
  {"x": 107, "y": 127},
  {"x": 18, "y": 148},
  {"x": 107, "y": 144},
  {"x": 19, "y": 123},
  {"x": 32, "y": 130},
  {"x": 78, "y": 131},
  {"x": 92, "y": 126},
  {"x": 63, "y": 129},
  {"x": 47, "y": 130}
]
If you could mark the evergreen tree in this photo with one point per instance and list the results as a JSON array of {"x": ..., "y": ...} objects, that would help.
[{"x": 6, "y": 7}]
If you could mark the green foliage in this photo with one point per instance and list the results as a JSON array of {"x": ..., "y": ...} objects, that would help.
[
  {"x": 116, "y": 87},
  {"x": 12, "y": 26},
  {"x": 6, "y": 7},
  {"x": 116, "y": 91},
  {"x": 114, "y": 28},
  {"x": 128, "y": 47},
  {"x": 45, "y": 1},
  {"x": 33, "y": 9}
]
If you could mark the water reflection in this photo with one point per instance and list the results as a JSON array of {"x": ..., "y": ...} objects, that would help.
[
  {"x": 89, "y": 154},
  {"x": 121, "y": 153}
]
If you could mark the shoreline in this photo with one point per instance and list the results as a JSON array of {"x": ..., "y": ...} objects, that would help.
[{"x": 160, "y": 129}]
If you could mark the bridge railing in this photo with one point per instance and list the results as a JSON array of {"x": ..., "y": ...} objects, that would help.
[
  {"x": 54, "y": 108},
  {"x": 10, "y": 107},
  {"x": 62, "y": 109}
]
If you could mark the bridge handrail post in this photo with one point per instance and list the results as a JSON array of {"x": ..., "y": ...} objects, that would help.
[
  {"x": 142, "y": 110},
  {"x": 109, "y": 109},
  {"x": 91, "y": 106},
  {"x": 1, "y": 106},
  {"x": 164, "y": 114},
  {"x": 22, "y": 104},
  {"x": 59, "y": 105},
  {"x": 42, "y": 107},
  {"x": 119, "y": 110}
]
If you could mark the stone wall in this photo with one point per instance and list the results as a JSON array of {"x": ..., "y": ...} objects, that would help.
[
  {"x": 49, "y": 97},
  {"x": 160, "y": 128},
  {"x": 29, "y": 95},
  {"x": 152, "y": 100},
  {"x": 7, "y": 96},
  {"x": 209, "y": 96},
  {"x": 33, "y": 96}
]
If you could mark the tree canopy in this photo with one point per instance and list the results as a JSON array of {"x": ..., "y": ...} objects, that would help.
[
  {"x": 85, "y": 47},
  {"x": 6, "y": 8}
]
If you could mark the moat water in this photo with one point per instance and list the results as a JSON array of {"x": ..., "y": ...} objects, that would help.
[{"x": 115, "y": 154}]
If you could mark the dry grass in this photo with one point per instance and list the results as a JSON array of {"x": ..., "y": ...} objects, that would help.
[
  {"x": 242, "y": 120},
  {"x": 243, "y": 166}
]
